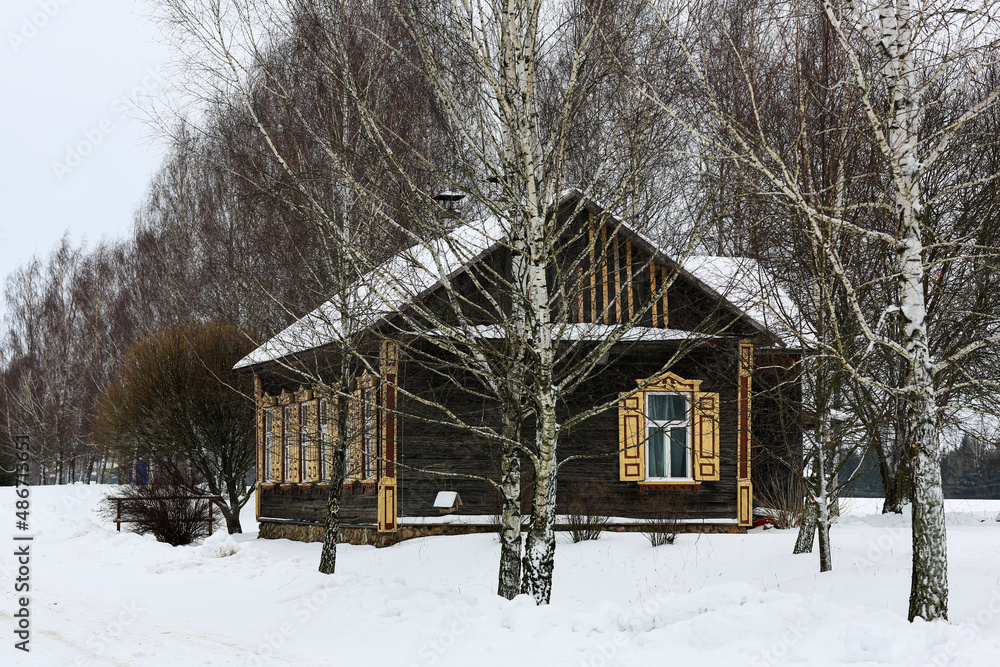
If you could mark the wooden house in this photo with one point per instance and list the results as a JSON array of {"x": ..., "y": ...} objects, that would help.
[{"x": 692, "y": 444}]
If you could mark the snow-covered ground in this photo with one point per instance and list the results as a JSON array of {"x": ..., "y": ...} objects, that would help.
[{"x": 106, "y": 598}]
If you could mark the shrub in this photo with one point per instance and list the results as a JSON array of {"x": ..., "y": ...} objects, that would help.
[
  {"x": 166, "y": 511},
  {"x": 783, "y": 503},
  {"x": 177, "y": 400},
  {"x": 662, "y": 516},
  {"x": 585, "y": 520},
  {"x": 586, "y": 526}
]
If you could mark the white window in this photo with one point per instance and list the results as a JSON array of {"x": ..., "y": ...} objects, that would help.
[
  {"x": 324, "y": 440},
  {"x": 369, "y": 437},
  {"x": 668, "y": 433},
  {"x": 268, "y": 445},
  {"x": 305, "y": 441},
  {"x": 286, "y": 444}
]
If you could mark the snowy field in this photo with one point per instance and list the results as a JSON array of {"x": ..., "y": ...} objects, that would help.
[{"x": 106, "y": 598}]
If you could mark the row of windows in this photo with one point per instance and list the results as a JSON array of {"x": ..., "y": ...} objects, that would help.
[
  {"x": 298, "y": 443},
  {"x": 300, "y": 439}
]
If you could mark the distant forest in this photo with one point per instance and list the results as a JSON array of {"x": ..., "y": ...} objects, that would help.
[{"x": 970, "y": 471}]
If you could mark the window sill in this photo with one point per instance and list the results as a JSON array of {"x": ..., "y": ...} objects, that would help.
[
  {"x": 354, "y": 486},
  {"x": 272, "y": 483},
  {"x": 672, "y": 483},
  {"x": 283, "y": 488}
]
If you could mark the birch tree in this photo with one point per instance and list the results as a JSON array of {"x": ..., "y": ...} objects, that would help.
[
  {"x": 512, "y": 117},
  {"x": 904, "y": 62},
  {"x": 278, "y": 126},
  {"x": 509, "y": 89},
  {"x": 46, "y": 347},
  {"x": 814, "y": 121}
]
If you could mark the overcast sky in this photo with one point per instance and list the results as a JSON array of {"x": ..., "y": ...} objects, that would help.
[{"x": 75, "y": 158}]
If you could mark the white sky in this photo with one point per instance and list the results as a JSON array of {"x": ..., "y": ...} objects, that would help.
[{"x": 67, "y": 71}]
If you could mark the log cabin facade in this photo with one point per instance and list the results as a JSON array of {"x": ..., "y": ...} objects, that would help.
[{"x": 681, "y": 438}]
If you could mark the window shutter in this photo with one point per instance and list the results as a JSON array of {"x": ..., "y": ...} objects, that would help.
[
  {"x": 744, "y": 502},
  {"x": 310, "y": 416},
  {"x": 631, "y": 443},
  {"x": 355, "y": 418},
  {"x": 706, "y": 436},
  {"x": 387, "y": 505},
  {"x": 277, "y": 445}
]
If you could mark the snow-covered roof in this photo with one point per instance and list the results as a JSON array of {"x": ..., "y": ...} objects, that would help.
[
  {"x": 417, "y": 270},
  {"x": 744, "y": 283},
  {"x": 383, "y": 291},
  {"x": 586, "y": 331}
]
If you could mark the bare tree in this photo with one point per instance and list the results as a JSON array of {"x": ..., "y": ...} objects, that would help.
[
  {"x": 814, "y": 122},
  {"x": 904, "y": 61},
  {"x": 509, "y": 91},
  {"x": 45, "y": 351}
]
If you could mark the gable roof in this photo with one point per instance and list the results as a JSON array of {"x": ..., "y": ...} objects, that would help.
[
  {"x": 739, "y": 283},
  {"x": 381, "y": 292},
  {"x": 743, "y": 282}
]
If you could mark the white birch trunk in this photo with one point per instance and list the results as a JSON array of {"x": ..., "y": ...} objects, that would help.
[
  {"x": 823, "y": 501},
  {"x": 519, "y": 123},
  {"x": 540, "y": 545},
  {"x": 509, "y": 578},
  {"x": 929, "y": 585},
  {"x": 807, "y": 529}
]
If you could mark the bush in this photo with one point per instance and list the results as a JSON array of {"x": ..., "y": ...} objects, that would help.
[
  {"x": 176, "y": 400},
  {"x": 166, "y": 511},
  {"x": 662, "y": 520},
  {"x": 783, "y": 503},
  {"x": 585, "y": 521},
  {"x": 586, "y": 526}
]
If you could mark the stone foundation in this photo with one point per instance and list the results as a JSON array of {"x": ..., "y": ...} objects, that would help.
[
  {"x": 272, "y": 530},
  {"x": 302, "y": 532}
]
